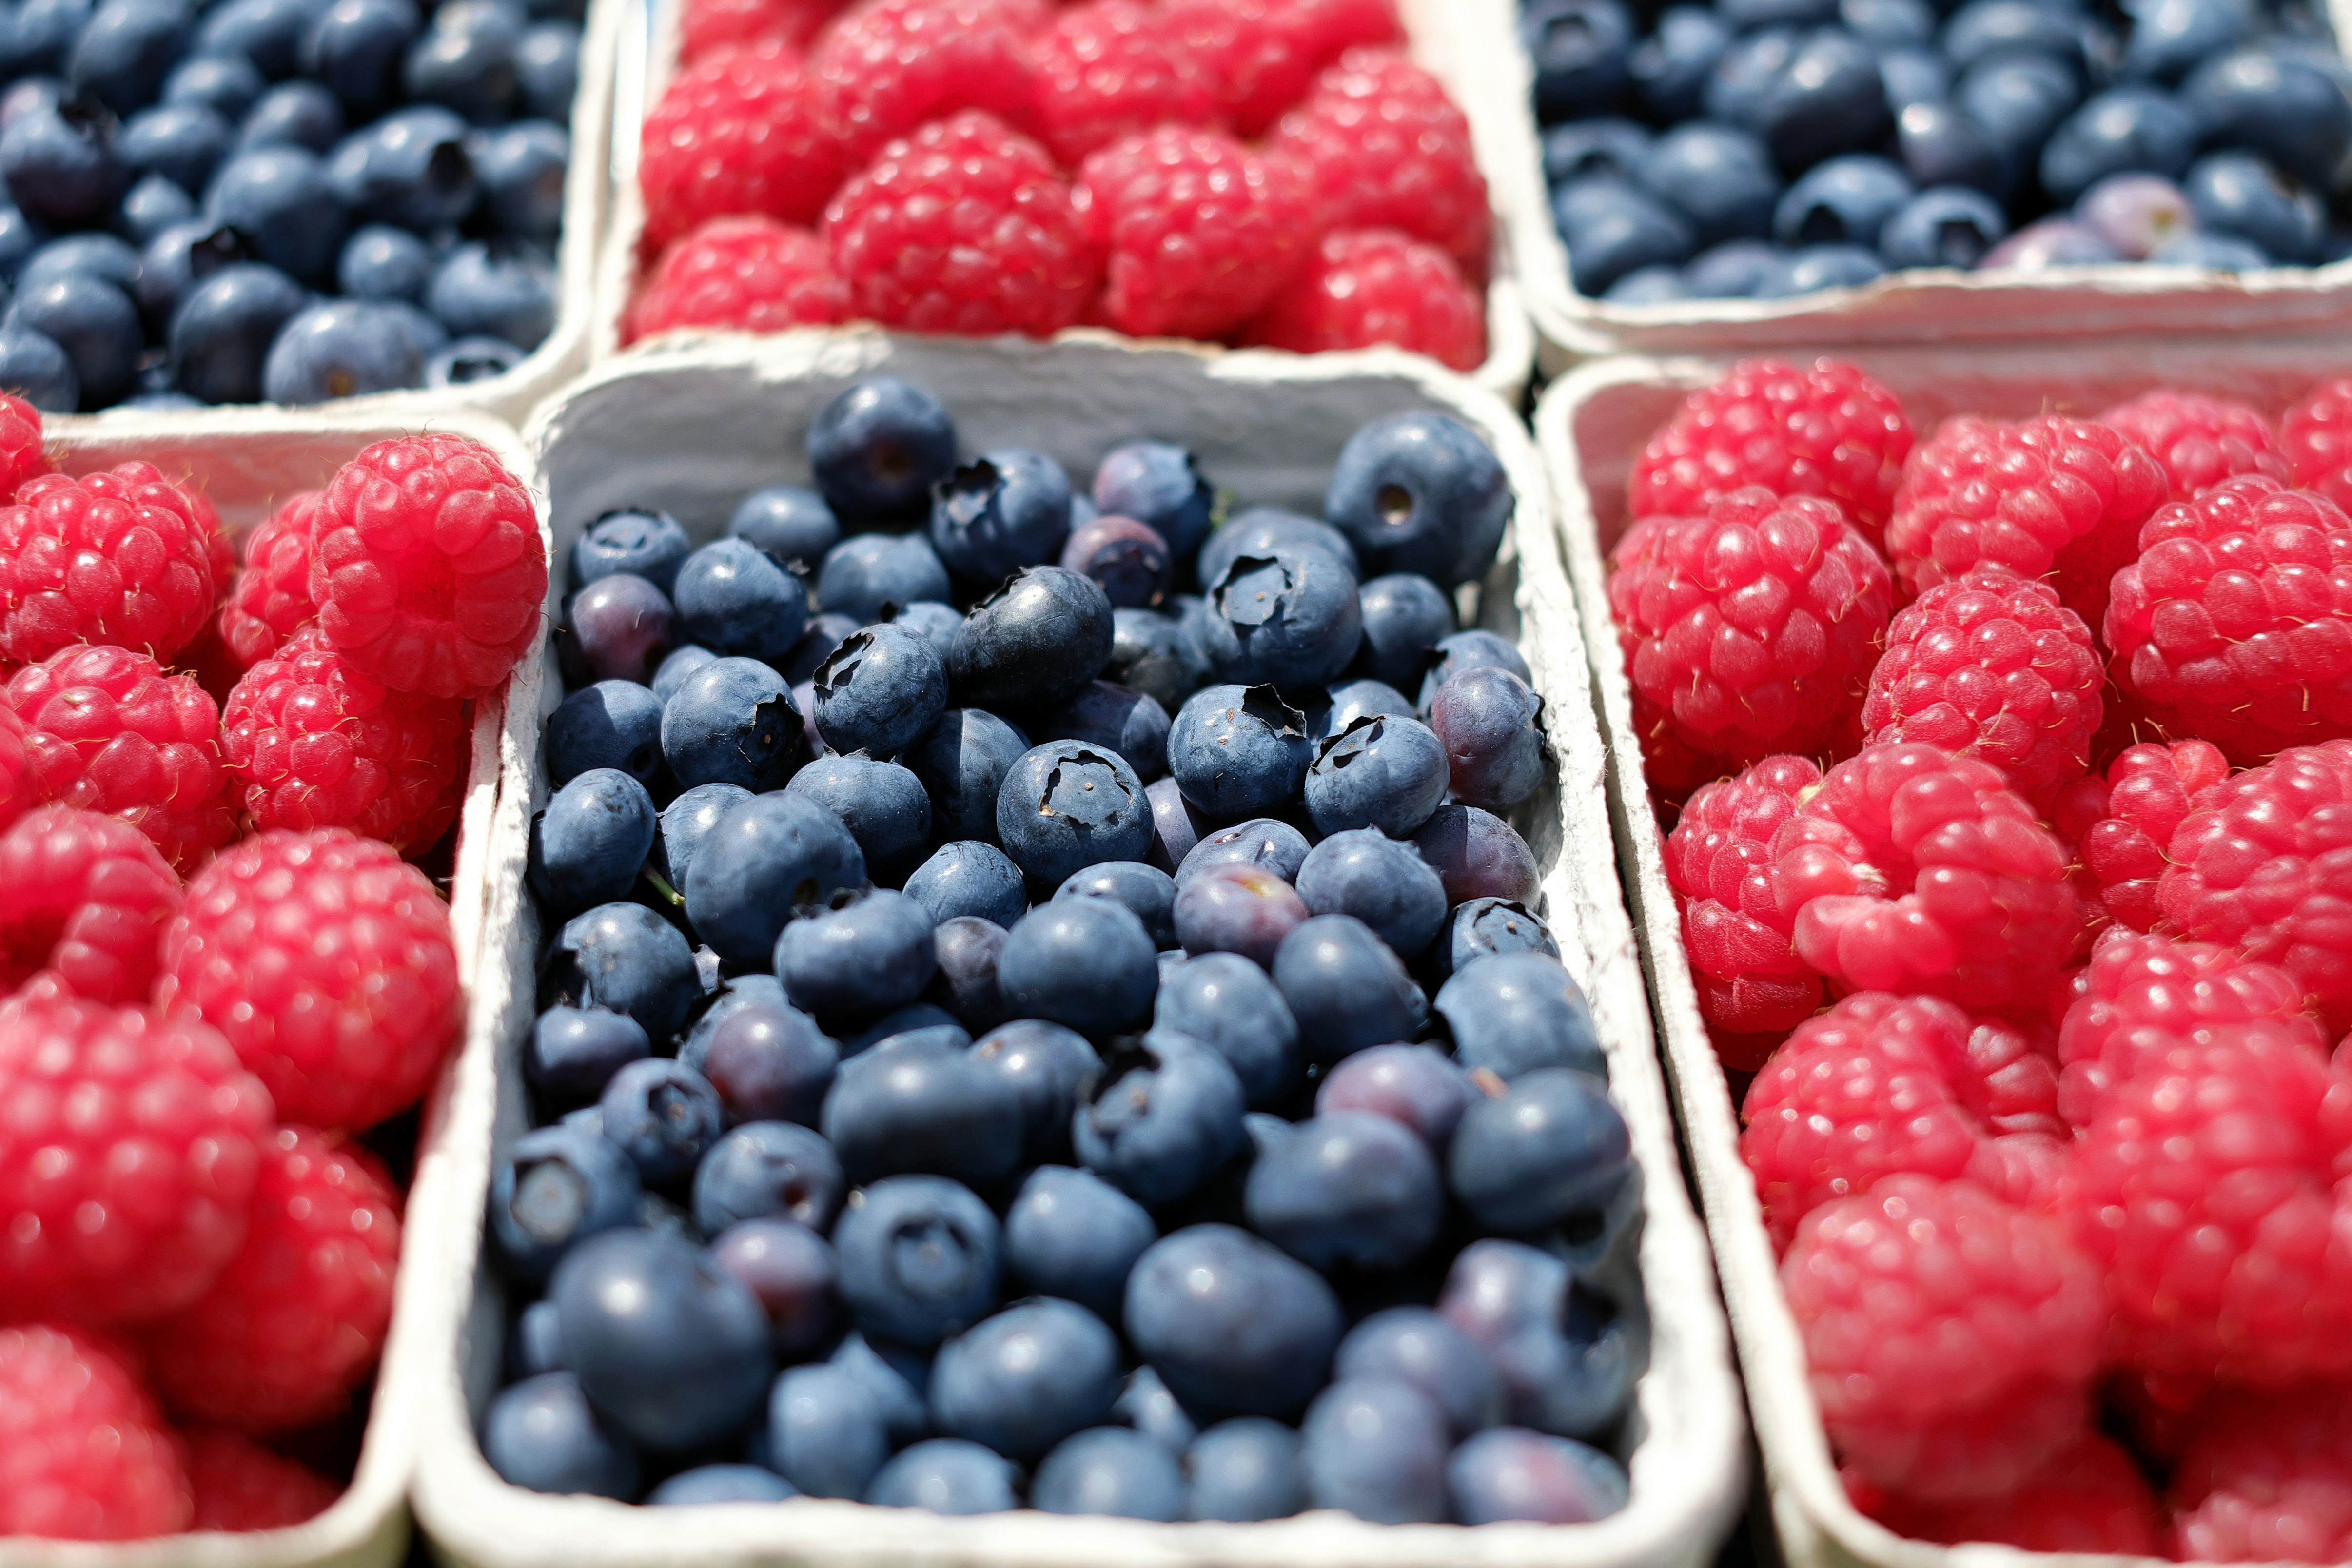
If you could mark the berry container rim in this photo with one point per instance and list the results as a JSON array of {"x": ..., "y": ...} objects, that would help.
[
  {"x": 694, "y": 427},
  {"x": 247, "y": 459}
]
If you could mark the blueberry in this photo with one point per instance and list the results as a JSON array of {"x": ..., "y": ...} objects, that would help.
[
  {"x": 1072, "y": 1234},
  {"x": 1566, "y": 1358},
  {"x": 1086, "y": 962},
  {"x": 1145, "y": 1405},
  {"x": 2018, "y": 100},
  {"x": 1983, "y": 29},
  {"x": 1648, "y": 286},
  {"x": 341, "y": 348},
  {"x": 39, "y": 35},
  {"x": 2291, "y": 111},
  {"x": 1720, "y": 177},
  {"x": 1044, "y": 1067},
  {"x": 1670, "y": 67},
  {"x": 411, "y": 169},
  {"x": 1376, "y": 1449},
  {"x": 1028, "y": 1377},
  {"x": 1420, "y": 492},
  {"x": 767, "y": 1170},
  {"x": 466, "y": 361},
  {"x": 826, "y": 631},
  {"x": 611, "y": 724},
  {"x": 1889, "y": 22},
  {"x": 965, "y": 877},
  {"x": 1941, "y": 145},
  {"x": 1128, "y": 558},
  {"x": 587, "y": 846},
  {"x": 792, "y": 525},
  {"x": 19, "y": 237},
  {"x": 1551, "y": 1151},
  {"x": 101, "y": 258},
  {"x": 542, "y": 1435},
  {"x": 1145, "y": 891},
  {"x": 1165, "y": 1116},
  {"x": 918, "y": 1024},
  {"x": 709, "y": 1485},
  {"x": 880, "y": 691},
  {"x": 764, "y": 857},
  {"x": 1945, "y": 225},
  {"x": 1227, "y": 1004},
  {"x": 280, "y": 200},
  {"x": 1604, "y": 144},
  {"x": 2222, "y": 252},
  {"x": 866, "y": 575},
  {"x": 1005, "y": 511},
  {"x": 97, "y": 326},
  {"x": 128, "y": 49},
  {"x": 826, "y": 1431},
  {"x": 1110, "y": 1470},
  {"x": 1486, "y": 926},
  {"x": 946, "y": 1476},
  {"x": 1417, "y": 1086},
  {"x": 866, "y": 953},
  {"x": 1379, "y": 881},
  {"x": 354, "y": 49},
  {"x": 1381, "y": 771},
  {"x": 182, "y": 143},
  {"x": 1244, "y": 1470},
  {"x": 1488, "y": 720},
  {"x": 1346, "y": 987},
  {"x": 1914, "y": 75},
  {"x": 877, "y": 448},
  {"x": 2169, "y": 38},
  {"x": 920, "y": 1258},
  {"x": 1744, "y": 15},
  {"x": 2125, "y": 129},
  {"x": 663, "y": 1115},
  {"x": 1176, "y": 827},
  {"x": 1515, "y": 1012},
  {"x": 2136, "y": 213},
  {"x": 677, "y": 665},
  {"x": 1065, "y": 806},
  {"x": 881, "y": 803},
  {"x": 536, "y": 1343},
  {"x": 1578, "y": 50},
  {"x": 1845, "y": 200},
  {"x": 732, "y": 721},
  {"x": 1808, "y": 92},
  {"x": 1288, "y": 618},
  {"x": 771, "y": 1064},
  {"x": 1160, "y": 485},
  {"x": 1512, "y": 1473},
  {"x": 150, "y": 207},
  {"x": 1612, "y": 229},
  {"x": 1403, "y": 615},
  {"x": 672, "y": 1350},
  {"x": 967, "y": 949},
  {"x": 547, "y": 68},
  {"x": 1354, "y": 700},
  {"x": 265, "y": 32},
  {"x": 1262, "y": 531},
  {"x": 465, "y": 58},
  {"x": 1112, "y": 717},
  {"x": 497, "y": 288},
  {"x": 909, "y": 1107},
  {"x": 628, "y": 959},
  {"x": 1478, "y": 854},
  {"x": 1232, "y": 1324},
  {"x": 557, "y": 1186},
  {"x": 292, "y": 114},
  {"x": 1239, "y": 751},
  {"x": 1347, "y": 1188},
  {"x": 1237, "y": 909},
  {"x": 1034, "y": 643},
  {"x": 573, "y": 1052},
  {"x": 2241, "y": 194}
]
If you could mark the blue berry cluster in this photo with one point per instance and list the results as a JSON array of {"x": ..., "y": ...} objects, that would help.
[
  {"x": 227, "y": 201},
  {"x": 963, "y": 1085},
  {"x": 1761, "y": 148}
]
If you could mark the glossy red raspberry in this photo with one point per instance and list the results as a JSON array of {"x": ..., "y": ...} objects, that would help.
[
  {"x": 106, "y": 558},
  {"x": 1992, "y": 665},
  {"x": 740, "y": 131},
  {"x": 2316, "y": 436},
  {"x": 1827, "y": 430},
  {"x": 298, "y": 1315},
  {"x": 109, "y": 731},
  {"x": 2199, "y": 440},
  {"x": 2266, "y": 1478},
  {"x": 1915, "y": 872},
  {"x": 130, "y": 1161},
  {"x": 240, "y": 1484},
  {"x": 1951, "y": 1335},
  {"x": 889, "y": 66},
  {"x": 312, "y": 742},
  {"x": 2047, "y": 497},
  {"x": 2091, "y": 1498},
  {"x": 2234, "y": 624},
  {"x": 2122, "y": 824},
  {"x": 1363, "y": 287},
  {"x": 1110, "y": 69},
  {"x": 1750, "y": 630},
  {"x": 1264, "y": 55},
  {"x": 84, "y": 1453},
  {"x": 1197, "y": 231},
  {"x": 88, "y": 900},
  {"x": 1752, "y": 987},
  {"x": 20, "y": 444},
  {"x": 2263, "y": 864},
  {"x": 269, "y": 600},
  {"x": 429, "y": 569},
  {"x": 711, "y": 25},
  {"x": 963, "y": 227},
  {"x": 746, "y": 274},
  {"x": 1380, "y": 145}
]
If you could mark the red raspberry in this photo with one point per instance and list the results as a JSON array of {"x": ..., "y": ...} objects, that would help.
[
  {"x": 107, "y": 731},
  {"x": 20, "y": 444},
  {"x": 749, "y": 274},
  {"x": 711, "y": 25},
  {"x": 298, "y": 1315},
  {"x": 88, "y": 900},
  {"x": 269, "y": 601},
  {"x": 1262, "y": 55},
  {"x": 2047, "y": 497},
  {"x": 240, "y": 1484},
  {"x": 1198, "y": 232},
  {"x": 1828, "y": 431},
  {"x": 2262, "y": 866},
  {"x": 1991, "y": 666},
  {"x": 130, "y": 1161},
  {"x": 963, "y": 227},
  {"x": 1912, "y": 871},
  {"x": 1718, "y": 860},
  {"x": 84, "y": 1453},
  {"x": 1951, "y": 1335},
  {"x": 1111, "y": 68},
  {"x": 2091, "y": 1498},
  {"x": 17, "y": 791},
  {"x": 2315, "y": 434},
  {"x": 2199, "y": 440},
  {"x": 2266, "y": 1478},
  {"x": 314, "y": 742},
  {"x": 2121, "y": 824},
  {"x": 740, "y": 130},
  {"x": 1380, "y": 146},
  {"x": 1750, "y": 630},
  {"x": 102, "y": 559},
  {"x": 2235, "y": 622},
  {"x": 327, "y": 963},
  {"x": 429, "y": 568},
  {"x": 890, "y": 66},
  {"x": 1363, "y": 287}
]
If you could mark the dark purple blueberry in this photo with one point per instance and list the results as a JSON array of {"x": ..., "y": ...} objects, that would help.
[
  {"x": 1127, "y": 558},
  {"x": 1418, "y": 1087},
  {"x": 1487, "y": 719},
  {"x": 1478, "y": 854},
  {"x": 1176, "y": 827},
  {"x": 1237, "y": 909},
  {"x": 1568, "y": 1359},
  {"x": 771, "y": 1064},
  {"x": 1160, "y": 485},
  {"x": 1511, "y": 1473},
  {"x": 617, "y": 629},
  {"x": 792, "y": 1270}
]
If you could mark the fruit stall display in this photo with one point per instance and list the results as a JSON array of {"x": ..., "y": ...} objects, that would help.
[
  {"x": 1980, "y": 728},
  {"x": 837, "y": 1179}
]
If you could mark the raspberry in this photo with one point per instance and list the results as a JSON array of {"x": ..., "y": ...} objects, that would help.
[
  {"x": 130, "y": 1161},
  {"x": 298, "y": 1315},
  {"x": 1829, "y": 431},
  {"x": 18, "y": 791},
  {"x": 2235, "y": 622},
  {"x": 1198, "y": 232},
  {"x": 20, "y": 444},
  {"x": 1262, "y": 55},
  {"x": 2047, "y": 497},
  {"x": 749, "y": 274},
  {"x": 1364, "y": 288},
  {"x": 1912, "y": 871},
  {"x": 2091, "y": 1498},
  {"x": 2266, "y": 1479},
  {"x": 2199, "y": 440},
  {"x": 240, "y": 1484},
  {"x": 88, "y": 900},
  {"x": 1951, "y": 1335},
  {"x": 314, "y": 742},
  {"x": 328, "y": 962},
  {"x": 1750, "y": 630},
  {"x": 711, "y": 25},
  {"x": 2203, "y": 1187},
  {"x": 1991, "y": 666},
  {"x": 2260, "y": 865},
  {"x": 270, "y": 600},
  {"x": 1379, "y": 145},
  {"x": 740, "y": 131},
  {"x": 963, "y": 227},
  {"x": 107, "y": 559},
  {"x": 2315, "y": 434},
  {"x": 107, "y": 731},
  {"x": 429, "y": 568},
  {"x": 2121, "y": 824},
  {"x": 84, "y": 1453},
  {"x": 1718, "y": 860},
  {"x": 1110, "y": 69},
  {"x": 890, "y": 66}
]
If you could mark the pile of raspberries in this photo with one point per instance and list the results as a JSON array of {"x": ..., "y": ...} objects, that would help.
[
  {"x": 1265, "y": 172},
  {"x": 221, "y": 984}
]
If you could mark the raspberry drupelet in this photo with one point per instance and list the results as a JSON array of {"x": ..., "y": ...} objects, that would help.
[
  {"x": 2199, "y": 440},
  {"x": 1264, "y": 55},
  {"x": 1110, "y": 69},
  {"x": 887, "y": 68},
  {"x": 2267, "y": 1478},
  {"x": 1752, "y": 987},
  {"x": 84, "y": 1453},
  {"x": 2091, "y": 1497},
  {"x": 747, "y": 273},
  {"x": 738, "y": 131},
  {"x": 1367, "y": 286},
  {"x": 88, "y": 898},
  {"x": 1197, "y": 231},
  {"x": 269, "y": 600},
  {"x": 2122, "y": 824},
  {"x": 240, "y": 1484},
  {"x": 104, "y": 559}
]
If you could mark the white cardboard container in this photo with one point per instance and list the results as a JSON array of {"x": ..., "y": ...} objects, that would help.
[
  {"x": 691, "y": 430},
  {"x": 246, "y": 461},
  {"x": 1592, "y": 427},
  {"x": 1434, "y": 42}
]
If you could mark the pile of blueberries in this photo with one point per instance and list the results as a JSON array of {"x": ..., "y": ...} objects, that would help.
[
  {"x": 1762, "y": 149},
  {"x": 227, "y": 201},
  {"x": 960, "y": 1086}
]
